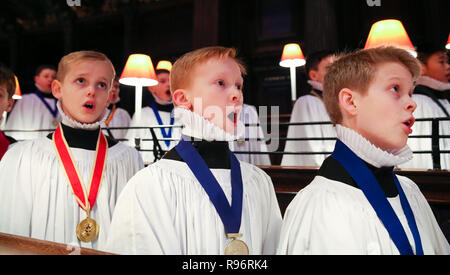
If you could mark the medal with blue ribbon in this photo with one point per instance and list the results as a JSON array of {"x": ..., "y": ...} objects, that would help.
[
  {"x": 369, "y": 185},
  {"x": 165, "y": 134},
  {"x": 53, "y": 111},
  {"x": 229, "y": 214}
]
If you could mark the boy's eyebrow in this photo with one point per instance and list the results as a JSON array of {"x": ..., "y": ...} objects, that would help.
[{"x": 84, "y": 74}]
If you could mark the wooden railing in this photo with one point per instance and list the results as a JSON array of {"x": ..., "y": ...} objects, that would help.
[
  {"x": 434, "y": 184},
  {"x": 18, "y": 245}
]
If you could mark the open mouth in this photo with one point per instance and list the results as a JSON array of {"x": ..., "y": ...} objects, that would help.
[
  {"x": 168, "y": 92},
  {"x": 89, "y": 105},
  {"x": 409, "y": 123}
]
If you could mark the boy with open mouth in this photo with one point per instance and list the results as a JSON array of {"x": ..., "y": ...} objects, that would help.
[
  {"x": 199, "y": 199},
  {"x": 63, "y": 187}
]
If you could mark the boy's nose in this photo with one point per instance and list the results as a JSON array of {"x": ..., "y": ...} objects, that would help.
[
  {"x": 90, "y": 91},
  {"x": 411, "y": 105},
  {"x": 235, "y": 96}
]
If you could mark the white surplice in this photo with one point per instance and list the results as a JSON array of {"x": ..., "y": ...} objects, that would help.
[
  {"x": 29, "y": 113},
  {"x": 120, "y": 118},
  {"x": 148, "y": 119},
  {"x": 308, "y": 108},
  {"x": 427, "y": 108},
  {"x": 164, "y": 209},
  {"x": 253, "y": 133},
  {"x": 331, "y": 217}
]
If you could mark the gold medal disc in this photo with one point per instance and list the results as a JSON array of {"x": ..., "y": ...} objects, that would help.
[
  {"x": 87, "y": 230},
  {"x": 236, "y": 247},
  {"x": 55, "y": 122}
]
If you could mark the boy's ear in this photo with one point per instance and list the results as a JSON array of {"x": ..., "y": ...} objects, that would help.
[
  {"x": 312, "y": 75},
  {"x": 348, "y": 101},
  {"x": 150, "y": 89},
  {"x": 10, "y": 105},
  {"x": 180, "y": 99},
  {"x": 56, "y": 89},
  {"x": 424, "y": 69}
]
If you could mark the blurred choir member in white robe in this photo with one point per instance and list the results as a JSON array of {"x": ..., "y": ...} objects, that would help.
[
  {"x": 37, "y": 110},
  {"x": 432, "y": 95},
  {"x": 310, "y": 108},
  {"x": 117, "y": 117},
  {"x": 161, "y": 107},
  {"x": 253, "y": 133}
]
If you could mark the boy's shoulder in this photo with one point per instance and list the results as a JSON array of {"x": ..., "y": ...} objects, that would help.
[
  {"x": 28, "y": 150},
  {"x": 333, "y": 170}
]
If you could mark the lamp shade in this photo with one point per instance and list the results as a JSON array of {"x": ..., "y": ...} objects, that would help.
[
  {"x": 292, "y": 56},
  {"x": 138, "y": 71},
  {"x": 164, "y": 65},
  {"x": 389, "y": 31},
  {"x": 17, "y": 92},
  {"x": 448, "y": 43}
]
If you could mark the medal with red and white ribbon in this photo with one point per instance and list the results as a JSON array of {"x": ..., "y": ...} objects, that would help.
[{"x": 87, "y": 229}]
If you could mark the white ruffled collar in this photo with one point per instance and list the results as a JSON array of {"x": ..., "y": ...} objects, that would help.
[
  {"x": 316, "y": 85},
  {"x": 78, "y": 125},
  {"x": 369, "y": 152},
  {"x": 432, "y": 83},
  {"x": 196, "y": 126},
  {"x": 161, "y": 101}
]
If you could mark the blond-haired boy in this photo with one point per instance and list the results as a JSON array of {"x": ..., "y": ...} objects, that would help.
[
  {"x": 169, "y": 207},
  {"x": 64, "y": 187},
  {"x": 356, "y": 204}
]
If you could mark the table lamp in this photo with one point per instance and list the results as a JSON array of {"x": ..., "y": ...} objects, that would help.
[
  {"x": 138, "y": 72},
  {"x": 390, "y": 31},
  {"x": 292, "y": 57}
]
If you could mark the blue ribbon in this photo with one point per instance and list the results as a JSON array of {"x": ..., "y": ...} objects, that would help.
[
  {"x": 230, "y": 215},
  {"x": 367, "y": 182},
  {"x": 54, "y": 110},
  {"x": 317, "y": 92},
  {"x": 160, "y": 122}
]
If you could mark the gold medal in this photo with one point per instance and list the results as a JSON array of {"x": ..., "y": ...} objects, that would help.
[
  {"x": 236, "y": 247},
  {"x": 87, "y": 230},
  {"x": 55, "y": 122}
]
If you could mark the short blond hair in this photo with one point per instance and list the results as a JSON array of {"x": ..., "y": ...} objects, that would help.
[
  {"x": 67, "y": 60},
  {"x": 357, "y": 70},
  {"x": 182, "y": 71}
]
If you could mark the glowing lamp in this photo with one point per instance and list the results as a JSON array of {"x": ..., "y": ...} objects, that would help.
[
  {"x": 291, "y": 58},
  {"x": 164, "y": 65},
  {"x": 138, "y": 72},
  {"x": 448, "y": 43},
  {"x": 389, "y": 32},
  {"x": 17, "y": 92}
]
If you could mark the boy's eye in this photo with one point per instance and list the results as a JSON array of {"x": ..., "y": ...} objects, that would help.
[
  {"x": 80, "y": 81},
  {"x": 395, "y": 89},
  {"x": 102, "y": 85},
  {"x": 220, "y": 83},
  {"x": 239, "y": 87}
]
